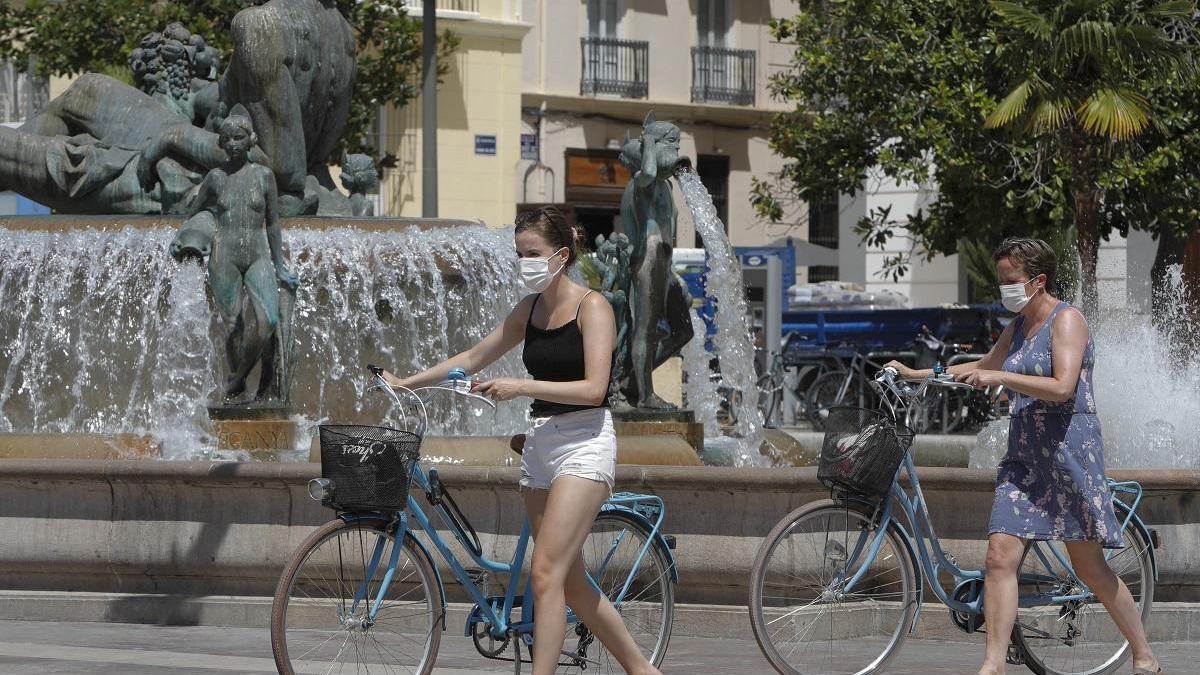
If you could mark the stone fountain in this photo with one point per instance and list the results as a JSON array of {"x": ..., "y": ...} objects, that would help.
[{"x": 206, "y": 288}]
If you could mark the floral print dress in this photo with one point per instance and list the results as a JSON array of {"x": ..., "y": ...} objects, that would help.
[{"x": 1051, "y": 483}]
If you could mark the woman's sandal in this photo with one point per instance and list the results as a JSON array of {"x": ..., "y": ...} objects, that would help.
[{"x": 1147, "y": 671}]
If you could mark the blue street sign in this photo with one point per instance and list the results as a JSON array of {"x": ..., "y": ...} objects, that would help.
[
  {"x": 485, "y": 144},
  {"x": 529, "y": 146}
]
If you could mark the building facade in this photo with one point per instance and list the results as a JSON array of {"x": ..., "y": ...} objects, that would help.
[
  {"x": 593, "y": 69},
  {"x": 479, "y": 118}
]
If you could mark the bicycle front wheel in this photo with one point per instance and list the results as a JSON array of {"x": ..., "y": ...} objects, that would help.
[
  {"x": 318, "y": 626},
  {"x": 806, "y": 615},
  {"x": 637, "y": 579},
  {"x": 1078, "y": 637}
]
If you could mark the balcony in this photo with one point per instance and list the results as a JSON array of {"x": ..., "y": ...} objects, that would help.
[
  {"x": 450, "y": 9},
  {"x": 721, "y": 75},
  {"x": 615, "y": 67}
]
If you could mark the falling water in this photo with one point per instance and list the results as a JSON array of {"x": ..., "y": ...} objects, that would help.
[
  {"x": 1147, "y": 392},
  {"x": 104, "y": 333},
  {"x": 699, "y": 389},
  {"x": 732, "y": 344}
]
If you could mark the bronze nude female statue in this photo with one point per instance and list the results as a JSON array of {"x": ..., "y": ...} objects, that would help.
[{"x": 247, "y": 265}]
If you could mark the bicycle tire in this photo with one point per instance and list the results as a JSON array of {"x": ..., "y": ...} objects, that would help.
[
  {"x": 770, "y": 397},
  {"x": 772, "y": 613},
  {"x": 318, "y": 565},
  {"x": 1099, "y": 648},
  {"x": 823, "y": 395},
  {"x": 648, "y": 608}
]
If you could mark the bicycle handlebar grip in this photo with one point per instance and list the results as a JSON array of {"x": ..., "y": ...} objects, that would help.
[{"x": 375, "y": 370}]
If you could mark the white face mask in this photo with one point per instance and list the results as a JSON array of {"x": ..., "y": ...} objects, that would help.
[
  {"x": 1013, "y": 297},
  {"x": 535, "y": 272}
]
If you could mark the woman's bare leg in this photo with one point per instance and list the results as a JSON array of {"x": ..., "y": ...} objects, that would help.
[
  {"x": 1000, "y": 599},
  {"x": 561, "y": 520},
  {"x": 1087, "y": 558}
]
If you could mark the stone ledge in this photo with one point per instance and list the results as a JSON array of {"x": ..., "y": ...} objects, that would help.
[{"x": 628, "y": 476}]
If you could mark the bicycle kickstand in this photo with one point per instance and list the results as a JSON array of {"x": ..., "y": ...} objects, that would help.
[{"x": 515, "y": 640}]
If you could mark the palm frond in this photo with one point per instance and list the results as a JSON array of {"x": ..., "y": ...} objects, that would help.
[
  {"x": 1011, "y": 107},
  {"x": 1051, "y": 113},
  {"x": 1024, "y": 19},
  {"x": 1114, "y": 113},
  {"x": 1172, "y": 9},
  {"x": 1087, "y": 38}
]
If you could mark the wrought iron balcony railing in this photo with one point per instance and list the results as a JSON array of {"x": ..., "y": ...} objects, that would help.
[
  {"x": 721, "y": 75},
  {"x": 613, "y": 66}
]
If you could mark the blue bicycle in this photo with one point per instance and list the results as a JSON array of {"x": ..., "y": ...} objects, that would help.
[
  {"x": 838, "y": 583},
  {"x": 363, "y": 592}
]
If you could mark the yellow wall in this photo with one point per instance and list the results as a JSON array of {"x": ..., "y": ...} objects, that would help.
[{"x": 480, "y": 95}]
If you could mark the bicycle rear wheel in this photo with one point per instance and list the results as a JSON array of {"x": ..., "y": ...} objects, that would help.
[
  {"x": 315, "y": 624},
  {"x": 1078, "y": 638},
  {"x": 613, "y": 555},
  {"x": 804, "y": 620}
]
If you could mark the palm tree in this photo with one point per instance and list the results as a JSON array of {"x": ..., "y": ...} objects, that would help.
[{"x": 1082, "y": 70}]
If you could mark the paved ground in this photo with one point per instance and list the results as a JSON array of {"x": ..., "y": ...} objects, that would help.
[{"x": 35, "y": 648}]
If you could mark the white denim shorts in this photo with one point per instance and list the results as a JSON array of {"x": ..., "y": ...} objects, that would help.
[{"x": 581, "y": 443}]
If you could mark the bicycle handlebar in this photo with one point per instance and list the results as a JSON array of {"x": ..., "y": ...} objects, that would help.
[{"x": 454, "y": 384}]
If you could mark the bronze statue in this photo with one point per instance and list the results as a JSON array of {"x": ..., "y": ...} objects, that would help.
[
  {"x": 252, "y": 286},
  {"x": 293, "y": 69},
  {"x": 658, "y": 300},
  {"x": 612, "y": 258},
  {"x": 358, "y": 177},
  {"x": 105, "y": 147}
]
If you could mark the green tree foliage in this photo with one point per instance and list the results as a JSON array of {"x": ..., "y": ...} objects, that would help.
[
  {"x": 76, "y": 37},
  {"x": 1084, "y": 71},
  {"x": 900, "y": 90}
]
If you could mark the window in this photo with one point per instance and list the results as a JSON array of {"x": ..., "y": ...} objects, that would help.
[
  {"x": 714, "y": 173},
  {"x": 602, "y": 18},
  {"x": 823, "y": 230},
  {"x": 22, "y": 95},
  {"x": 713, "y": 21}
]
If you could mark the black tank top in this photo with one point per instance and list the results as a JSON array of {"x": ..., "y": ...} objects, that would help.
[{"x": 554, "y": 355}]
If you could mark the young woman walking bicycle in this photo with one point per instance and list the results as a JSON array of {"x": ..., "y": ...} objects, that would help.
[{"x": 569, "y": 456}]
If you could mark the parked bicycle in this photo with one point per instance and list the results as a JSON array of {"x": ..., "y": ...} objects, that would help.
[
  {"x": 956, "y": 410},
  {"x": 849, "y": 388},
  {"x": 838, "y": 584},
  {"x": 363, "y": 592}
]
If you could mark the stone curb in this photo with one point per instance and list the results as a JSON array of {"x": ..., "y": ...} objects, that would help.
[{"x": 1169, "y": 622}]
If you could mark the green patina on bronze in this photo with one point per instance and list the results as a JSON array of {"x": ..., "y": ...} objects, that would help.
[
  {"x": 237, "y": 205},
  {"x": 650, "y": 301},
  {"x": 106, "y": 147}
]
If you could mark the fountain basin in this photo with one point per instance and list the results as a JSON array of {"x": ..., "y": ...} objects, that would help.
[{"x": 226, "y": 528}]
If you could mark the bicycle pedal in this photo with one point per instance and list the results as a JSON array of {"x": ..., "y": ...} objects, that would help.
[{"x": 1015, "y": 656}]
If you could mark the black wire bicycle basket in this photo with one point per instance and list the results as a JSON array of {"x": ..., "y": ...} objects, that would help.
[
  {"x": 369, "y": 468},
  {"x": 862, "y": 451}
]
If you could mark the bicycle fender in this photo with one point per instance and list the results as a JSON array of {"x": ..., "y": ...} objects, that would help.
[
  {"x": 437, "y": 574},
  {"x": 907, "y": 538},
  {"x": 1144, "y": 531},
  {"x": 660, "y": 541}
]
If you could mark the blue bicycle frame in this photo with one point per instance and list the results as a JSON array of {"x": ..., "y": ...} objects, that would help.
[
  {"x": 495, "y": 612},
  {"x": 933, "y": 559}
]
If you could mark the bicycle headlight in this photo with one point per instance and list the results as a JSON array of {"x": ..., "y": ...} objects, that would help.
[{"x": 320, "y": 489}]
